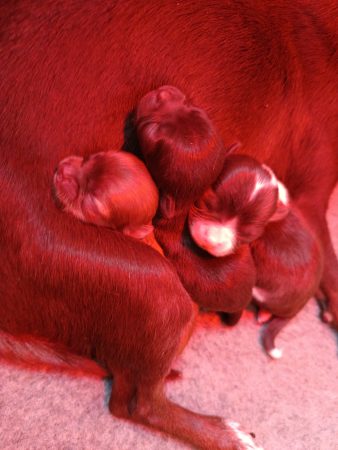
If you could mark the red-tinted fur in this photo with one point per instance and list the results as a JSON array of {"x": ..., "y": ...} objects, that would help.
[
  {"x": 241, "y": 201},
  {"x": 174, "y": 132},
  {"x": 175, "y": 136},
  {"x": 287, "y": 255},
  {"x": 70, "y": 73},
  {"x": 112, "y": 189},
  {"x": 289, "y": 265}
]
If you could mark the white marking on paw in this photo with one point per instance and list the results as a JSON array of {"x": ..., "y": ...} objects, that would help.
[
  {"x": 233, "y": 424},
  {"x": 276, "y": 353},
  {"x": 244, "y": 438}
]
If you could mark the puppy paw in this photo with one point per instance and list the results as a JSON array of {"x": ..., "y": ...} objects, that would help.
[
  {"x": 275, "y": 353},
  {"x": 263, "y": 316}
]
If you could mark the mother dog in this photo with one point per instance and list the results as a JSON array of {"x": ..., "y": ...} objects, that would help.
[{"x": 71, "y": 72}]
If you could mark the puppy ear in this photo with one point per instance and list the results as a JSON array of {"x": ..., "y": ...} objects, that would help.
[
  {"x": 167, "y": 206},
  {"x": 283, "y": 205}
]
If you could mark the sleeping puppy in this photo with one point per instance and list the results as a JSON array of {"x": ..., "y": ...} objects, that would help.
[
  {"x": 110, "y": 189},
  {"x": 185, "y": 155},
  {"x": 247, "y": 204}
]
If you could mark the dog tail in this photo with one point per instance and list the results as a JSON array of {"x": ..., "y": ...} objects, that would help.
[{"x": 38, "y": 354}]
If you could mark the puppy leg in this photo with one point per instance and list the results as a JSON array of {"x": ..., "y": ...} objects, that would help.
[
  {"x": 329, "y": 282},
  {"x": 327, "y": 295},
  {"x": 263, "y": 316},
  {"x": 270, "y": 332}
]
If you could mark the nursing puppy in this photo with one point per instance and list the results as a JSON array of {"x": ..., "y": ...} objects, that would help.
[
  {"x": 175, "y": 136},
  {"x": 111, "y": 189},
  {"x": 248, "y": 205}
]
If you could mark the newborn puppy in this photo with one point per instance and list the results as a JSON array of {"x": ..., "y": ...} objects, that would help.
[
  {"x": 182, "y": 150},
  {"x": 112, "y": 189},
  {"x": 184, "y": 155},
  {"x": 248, "y": 205}
]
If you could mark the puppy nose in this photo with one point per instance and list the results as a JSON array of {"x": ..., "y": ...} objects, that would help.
[{"x": 214, "y": 236}]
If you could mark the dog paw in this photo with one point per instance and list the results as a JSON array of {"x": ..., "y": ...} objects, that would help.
[
  {"x": 245, "y": 440},
  {"x": 275, "y": 353}
]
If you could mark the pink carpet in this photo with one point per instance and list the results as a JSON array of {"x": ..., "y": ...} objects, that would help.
[{"x": 291, "y": 404}]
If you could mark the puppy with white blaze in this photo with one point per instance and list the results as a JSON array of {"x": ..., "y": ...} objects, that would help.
[{"x": 247, "y": 204}]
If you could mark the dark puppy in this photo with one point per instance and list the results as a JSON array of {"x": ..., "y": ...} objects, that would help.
[
  {"x": 248, "y": 205},
  {"x": 184, "y": 155},
  {"x": 182, "y": 150}
]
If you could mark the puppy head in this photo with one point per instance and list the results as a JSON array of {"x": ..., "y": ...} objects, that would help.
[
  {"x": 180, "y": 145},
  {"x": 109, "y": 188},
  {"x": 238, "y": 206}
]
